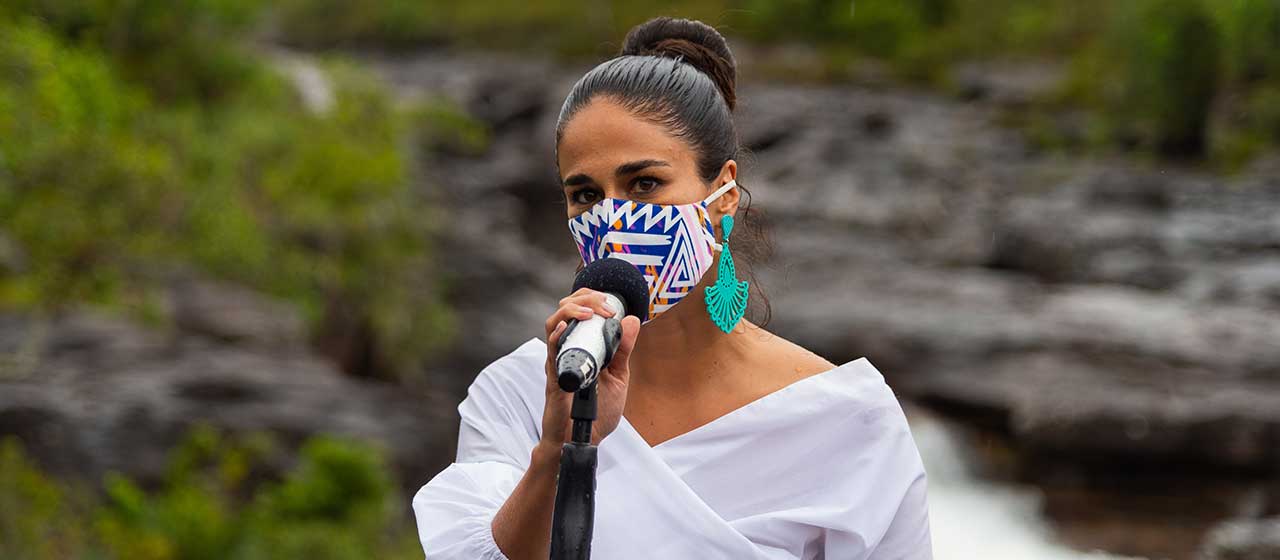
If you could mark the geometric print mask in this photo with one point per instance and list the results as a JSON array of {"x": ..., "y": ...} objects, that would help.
[{"x": 671, "y": 244}]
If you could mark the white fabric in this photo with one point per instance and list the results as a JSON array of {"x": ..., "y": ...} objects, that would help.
[
  {"x": 723, "y": 189},
  {"x": 822, "y": 468}
]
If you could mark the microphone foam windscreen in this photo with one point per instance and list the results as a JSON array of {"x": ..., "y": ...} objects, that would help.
[{"x": 620, "y": 277}]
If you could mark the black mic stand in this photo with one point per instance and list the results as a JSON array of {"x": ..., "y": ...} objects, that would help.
[{"x": 574, "y": 514}]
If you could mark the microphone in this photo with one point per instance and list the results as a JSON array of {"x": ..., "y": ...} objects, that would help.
[{"x": 587, "y": 346}]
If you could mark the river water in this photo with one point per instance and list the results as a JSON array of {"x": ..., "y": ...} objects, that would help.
[{"x": 972, "y": 518}]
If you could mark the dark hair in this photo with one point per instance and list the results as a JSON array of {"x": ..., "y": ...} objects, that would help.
[{"x": 680, "y": 74}]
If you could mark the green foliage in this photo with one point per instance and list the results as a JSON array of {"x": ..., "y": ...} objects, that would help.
[
  {"x": 877, "y": 27},
  {"x": 326, "y": 216},
  {"x": 104, "y": 187},
  {"x": 405, "y": 22},
  {"x": 181, "y": 49},
  {"x": 580, "y": 27},
  {"x": 446, "y": 129},
  {"x": 337, "y": 482},
  {"x": 1251, "y": 127},
  {"x": 1253, "y": 38},
  {"x": 82, "y": 165},
  {"x": 34, "y": 511},
  {"x": 1250, "y": 115},
  {"x": 888, "y": 29},
  {"x": 920, "y": 39},
  {"x": 338, "y": 503},
  {"x": 1150, "y": 70},
  {"x": 1167, "y": 53},
  {"x": 189, "y": 522},
  {"x": 330, "y": 22}
]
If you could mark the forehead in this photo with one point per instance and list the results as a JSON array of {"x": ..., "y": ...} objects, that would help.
[{"x": 604, "y": 134}]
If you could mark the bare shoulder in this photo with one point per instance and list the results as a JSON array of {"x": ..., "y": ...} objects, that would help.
[{"x": 794, "y": 360}]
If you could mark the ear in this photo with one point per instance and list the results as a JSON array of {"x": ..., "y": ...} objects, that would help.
[{"x": 728, "y": 202}]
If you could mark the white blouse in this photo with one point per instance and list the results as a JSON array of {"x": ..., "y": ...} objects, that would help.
[{"x": 823, "y": 468}]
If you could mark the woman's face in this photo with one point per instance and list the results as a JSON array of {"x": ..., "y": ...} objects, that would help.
[{"x": 606, "y": 152}]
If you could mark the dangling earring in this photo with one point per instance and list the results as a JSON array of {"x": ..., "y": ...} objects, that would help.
[{"x": 727, "y": 298}]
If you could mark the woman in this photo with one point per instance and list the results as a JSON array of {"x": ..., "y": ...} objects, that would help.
[{"x": 717, "y": 438}]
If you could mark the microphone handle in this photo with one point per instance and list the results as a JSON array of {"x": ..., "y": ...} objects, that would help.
[{"x": 586, "y": 347}]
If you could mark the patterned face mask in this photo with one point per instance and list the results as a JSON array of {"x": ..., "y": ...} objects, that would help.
[{"x": 670, "y": 244}]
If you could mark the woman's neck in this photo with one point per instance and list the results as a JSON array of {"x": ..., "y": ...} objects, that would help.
[{"x": 684, "y": 350}]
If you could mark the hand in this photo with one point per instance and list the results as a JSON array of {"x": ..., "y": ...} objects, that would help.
[{"x": 611, "y": 385}]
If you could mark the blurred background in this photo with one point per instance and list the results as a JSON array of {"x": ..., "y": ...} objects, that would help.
[{"x": 252, "y": 254}]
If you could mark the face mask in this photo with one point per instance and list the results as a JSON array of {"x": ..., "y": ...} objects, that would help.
[{"x": 671, "y": 245}]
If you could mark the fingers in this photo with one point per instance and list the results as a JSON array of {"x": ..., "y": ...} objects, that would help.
[
  {"x": 621, "y": 357},
  {"x": 553, "y": 343},
  {"x": 581, "y": 307},
  {"x": 553, "y": 339},
  {"x": 589, "y": 298},
  {"x": 563, "y": 314}
]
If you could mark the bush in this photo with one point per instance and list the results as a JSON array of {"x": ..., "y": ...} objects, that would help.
[
  {"x": 180, "y": 49},
  {"x": 569, "y": 28},
  {"x": 86, "y": 179},
  {"x": 1169, "y": 53},
  {"x": 1253, "y": 44},
  {"x": 105, "y": 191},
  {"x": 338, "y": 503},
  {"x": 877, "y": 27},
  {"x": 390, "y": 22},
  {"x": 34, "y": 511}
]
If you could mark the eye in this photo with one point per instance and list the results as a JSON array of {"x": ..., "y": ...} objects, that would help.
[
  {"x": 645, "y": 185},
  {"x": 584, "y": 196}
]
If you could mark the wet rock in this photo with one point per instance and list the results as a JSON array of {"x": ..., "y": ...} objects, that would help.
[
  {"x": 503, "y": 246},
  {"x": 1077, "y": 369},
  {"x": 234, "y": 314},
  {"x": 1006, "y": 83},
  {"x": 508, "y": 100},
  {"x": 105, "y": 394}
]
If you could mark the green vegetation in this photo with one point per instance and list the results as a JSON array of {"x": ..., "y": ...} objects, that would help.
[
  {"x": 581, "y": 28},
  {"x": 1167, "y": 78},
  {"x": 1187, "y": 79},
  {"x": 137, "y": 138},
  {"x": 1162, "y": 59},
  {"x": 339, "y": 502},
  {"x": 1250, "y": 119},
  {"x": 180, "y": 50}
]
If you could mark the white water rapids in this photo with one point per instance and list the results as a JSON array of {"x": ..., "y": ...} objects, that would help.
[{"x": 971, "y": 518}]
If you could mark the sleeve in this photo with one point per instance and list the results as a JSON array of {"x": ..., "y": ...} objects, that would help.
[
  {"x": 891, "y": 509},
  {"x": 495, "y": 437},
  {"x": 908, "y": 535},
  {"x": 455, "y": 509}
]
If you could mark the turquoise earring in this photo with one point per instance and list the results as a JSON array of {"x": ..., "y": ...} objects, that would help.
[{"x": 727, "y": 298}]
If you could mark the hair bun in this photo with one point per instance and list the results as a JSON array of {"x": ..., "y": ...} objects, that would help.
[{"x": 694, "y": 42}]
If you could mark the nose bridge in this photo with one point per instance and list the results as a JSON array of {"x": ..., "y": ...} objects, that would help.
[{"x": 615, "y": 188}]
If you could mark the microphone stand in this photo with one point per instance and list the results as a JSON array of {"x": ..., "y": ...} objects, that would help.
[{"x": 575, "y": 507}]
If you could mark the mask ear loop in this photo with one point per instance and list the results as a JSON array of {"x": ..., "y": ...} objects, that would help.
[{"x": 723, "y": 189}]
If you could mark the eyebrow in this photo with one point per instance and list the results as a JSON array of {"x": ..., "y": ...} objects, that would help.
[{"x": 624, "y": 169}]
